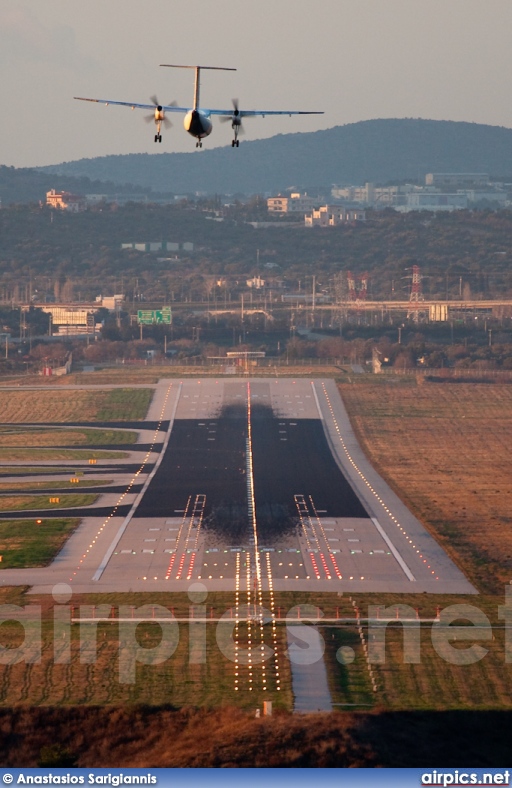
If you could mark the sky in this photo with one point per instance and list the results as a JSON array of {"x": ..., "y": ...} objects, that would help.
[{"x": 353, "y": 59}]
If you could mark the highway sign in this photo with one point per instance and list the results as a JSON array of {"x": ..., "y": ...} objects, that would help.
[{"x": 148, "y": 317}]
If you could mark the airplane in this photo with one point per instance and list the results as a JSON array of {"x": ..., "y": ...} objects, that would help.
[{"x": 197, "y": 121}]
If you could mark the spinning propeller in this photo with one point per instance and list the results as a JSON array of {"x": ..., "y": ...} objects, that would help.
[
  {"x": 158, "y": 116},
  {"x": 236, "y": 122}
]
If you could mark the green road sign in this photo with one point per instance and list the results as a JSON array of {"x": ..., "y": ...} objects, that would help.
[{"x": 151, "y": 316}]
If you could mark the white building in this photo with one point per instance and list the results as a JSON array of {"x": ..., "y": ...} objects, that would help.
[
  {"x": 333, "y": 216},
  {"x": 433, "y": 201},
  {"x": 65, "y": 201},
  {"x": 295, "y": 203},
  {"x": 112, "y": 303},
  {"x": 377, "y": 196},
  {"x": 67, "y": 320},
  {"x": 159, "y": 246},
  {"x": 456, "y": 178},
  {"x": 489, "y": 195},
  {"x": 257, "y": 283}
]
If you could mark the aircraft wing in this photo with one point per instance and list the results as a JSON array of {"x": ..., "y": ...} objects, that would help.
[
  {"x": 251, "y": 113},
  {"x": 134, "y": 105}
]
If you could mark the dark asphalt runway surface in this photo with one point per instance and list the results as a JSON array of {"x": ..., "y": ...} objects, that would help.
[
  {"x": 206, "y": 457},
  {"x": 292, "y": 457},
  {"x": 289, "y": 457}
]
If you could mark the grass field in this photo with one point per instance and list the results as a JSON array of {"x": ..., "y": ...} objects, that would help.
[
  {"x": 445, "y": 449},
  {"x": 26, "y": 544},
  {"x": 436, "y": 684},
  {"x": 17, "y": 436},
  {"x": 36, "y": 502},
  {"x": 152, "y": 374},
  {"x": 432, "y": 685},
  {"x": 26, "y": 455},
  {"x": 18, "y": 470},
  {"x": 64, "y": 484},
  {"x": 184, "y": 678},
  {"x": 51, "y": 405}
]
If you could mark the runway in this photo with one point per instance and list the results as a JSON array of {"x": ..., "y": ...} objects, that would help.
[{"x": 257, "y": 484}]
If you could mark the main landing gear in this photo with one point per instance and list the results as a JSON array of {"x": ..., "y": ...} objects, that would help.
[
  {"x": 158, "y": 138},
  {"x": 235, "y": 143},
  {"x": 199, "y": 144}
]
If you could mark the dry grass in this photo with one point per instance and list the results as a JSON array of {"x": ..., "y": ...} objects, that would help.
[
  {"x": 436, "y": 684},
  {"x": 16, "y": 436},
  {"x": 51, "y": 405},
  {"x": 177, "y": 681},
  {"x": 12, "y": 503},
  {"x": 64, "y": 484},
  {"x": 152, "y": 374},
  {"x": 43, "y": 455},
  {"x": 47, "y": 406},
  {"x": 24, "y": 470},
  {"x": 446, "y": 450},
  {"x": 163, "y": 737}
]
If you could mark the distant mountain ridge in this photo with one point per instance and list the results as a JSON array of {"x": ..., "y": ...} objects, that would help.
[
  {"x": 371, "y": 150},
  {"x": 29, "y": 185}
]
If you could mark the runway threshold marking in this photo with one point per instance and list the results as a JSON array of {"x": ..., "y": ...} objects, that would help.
[
  {"x": 304, "y": 512},
  {"x": 180, "y": 530},
  {"x": 196, "y": 518}
]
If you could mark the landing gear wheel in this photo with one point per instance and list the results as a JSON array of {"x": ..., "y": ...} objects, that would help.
[
  {"x": 232, "y": 143},
  {"x": 159, "y": 138},
  {"x": 238, "y": 143}
]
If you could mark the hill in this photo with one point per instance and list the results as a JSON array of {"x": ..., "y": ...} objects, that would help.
[
  {"x": 373, "y": 150},
  {"x": 29, "y": 185}
]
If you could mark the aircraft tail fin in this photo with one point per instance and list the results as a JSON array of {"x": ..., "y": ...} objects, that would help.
[{"x": 198, "y": 74}]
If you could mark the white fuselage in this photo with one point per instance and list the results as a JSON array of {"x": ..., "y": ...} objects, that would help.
[{"x": 197, "y": 124}]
